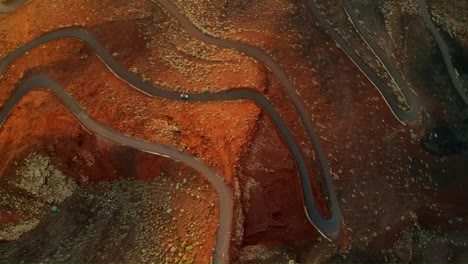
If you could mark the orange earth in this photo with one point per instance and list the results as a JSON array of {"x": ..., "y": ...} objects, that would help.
[{"x": 385, "y": 180}]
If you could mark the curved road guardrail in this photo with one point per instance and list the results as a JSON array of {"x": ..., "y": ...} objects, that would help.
[
  {"x": 443, "y": 49},
  {"x": 402, "y": 116},
  {"x": 328, "y": 227}
]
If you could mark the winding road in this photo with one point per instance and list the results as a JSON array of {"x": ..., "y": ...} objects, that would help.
[
  {"x": 330, "y": 227},
  {"x": 382, "y": 87},
  {"x": 423, "y": 10}
]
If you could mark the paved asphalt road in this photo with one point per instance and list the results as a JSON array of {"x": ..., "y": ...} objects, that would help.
[
  {"x": 423, "y": 9},
  {"x": 381, "y": 86}
]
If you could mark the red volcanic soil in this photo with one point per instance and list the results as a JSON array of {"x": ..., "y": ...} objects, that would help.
[{"x": 388, "y": 185}]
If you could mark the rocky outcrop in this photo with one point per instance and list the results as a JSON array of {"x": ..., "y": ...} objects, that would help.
[
  {"x": 40, "y": 178},
  {"x": 44, "y": 185}
]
